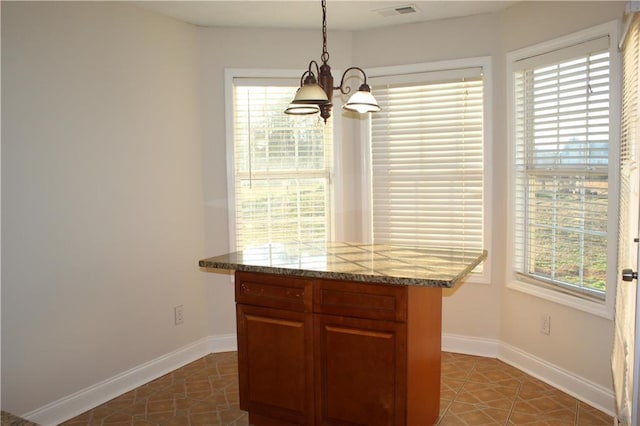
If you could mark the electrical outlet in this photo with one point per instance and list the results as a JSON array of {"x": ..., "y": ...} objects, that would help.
[
  {"x": 178, "y": 314},
  {"x": 545, "y": 324}
]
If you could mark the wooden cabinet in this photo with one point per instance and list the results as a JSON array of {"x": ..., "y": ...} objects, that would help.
[
  {"x": 329, "y": 352},
  {"x": 275, "y": 352}
]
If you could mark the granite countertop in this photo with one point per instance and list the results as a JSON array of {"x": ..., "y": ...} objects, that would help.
[{"x": 373, "y": 263}]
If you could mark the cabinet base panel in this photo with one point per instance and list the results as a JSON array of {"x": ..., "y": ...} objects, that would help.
[{"x": 258, "y": 420}]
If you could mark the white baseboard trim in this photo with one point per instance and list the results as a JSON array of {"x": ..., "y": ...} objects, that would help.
[
  {"x": 77, "y": 403},
  {"x": 223, "y": 343},
  {"x": 469, "y": 345},
  {"x": 585, "y": 390}
]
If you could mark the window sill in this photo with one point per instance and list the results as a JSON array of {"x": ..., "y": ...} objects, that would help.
[{"x": 600, "y": 309}]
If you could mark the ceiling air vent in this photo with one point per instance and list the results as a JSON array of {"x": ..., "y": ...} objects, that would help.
[{"x": 398, "y": 10}]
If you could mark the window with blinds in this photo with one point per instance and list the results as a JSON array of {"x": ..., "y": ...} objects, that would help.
[
  {"x": 562, "y": 144},
  {"x": 281, "y": 167},
  {"x": 427, "y": 165}
]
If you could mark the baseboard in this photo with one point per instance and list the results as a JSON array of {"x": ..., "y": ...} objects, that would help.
[
  {"x": 591, "y": 393},
  {"x": 77, "y": 403},
  {"x": 223, "y": 343},
  {"x": 469, "y": 345}
]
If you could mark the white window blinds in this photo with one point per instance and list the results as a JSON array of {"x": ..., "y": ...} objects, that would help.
[
  {"x": 282, "y": 168},
  {"x": 561, "y": 158},
  {"x": 427, "y": 159}
]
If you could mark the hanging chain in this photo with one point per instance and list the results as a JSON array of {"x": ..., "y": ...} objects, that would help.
[{"x": 325, "y": 54}]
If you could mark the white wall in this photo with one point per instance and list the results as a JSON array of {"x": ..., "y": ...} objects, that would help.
[{"x": 101, "y": 195}]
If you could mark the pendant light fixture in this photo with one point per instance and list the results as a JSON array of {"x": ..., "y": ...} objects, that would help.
[{"x": 316, "y": 86}]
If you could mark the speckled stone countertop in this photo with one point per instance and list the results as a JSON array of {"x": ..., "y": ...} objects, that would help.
[{"x": 373, "y": 263}]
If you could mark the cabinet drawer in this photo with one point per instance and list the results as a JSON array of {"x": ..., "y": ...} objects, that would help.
[
  {"x": 358, "y": 300},
  {"x": 274, "y": 291}
]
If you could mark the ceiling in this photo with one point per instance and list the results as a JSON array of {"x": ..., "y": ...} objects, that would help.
[{"x": 351, "y": 15}]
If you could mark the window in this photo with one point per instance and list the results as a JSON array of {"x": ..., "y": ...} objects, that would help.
[
  {"x": 428, "y": 174},
  {"x": 563, "y": 153},
  {"x": 281, "y": 167}
]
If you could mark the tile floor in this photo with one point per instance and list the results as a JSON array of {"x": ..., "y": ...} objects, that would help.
[{"x": 475, "y": 391}]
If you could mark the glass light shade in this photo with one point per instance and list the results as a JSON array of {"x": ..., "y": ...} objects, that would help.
[
  {"x": 310, "y": 93},
  {"x": 302, "y": 109},
  {"x": 362, "y": 101}
]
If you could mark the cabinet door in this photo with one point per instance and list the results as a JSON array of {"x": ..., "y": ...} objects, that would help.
[
  {"x": 275, "y": 358},
  {"x": 360, "y": 371}
]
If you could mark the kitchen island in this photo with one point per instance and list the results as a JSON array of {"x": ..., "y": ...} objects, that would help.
[{"x": 335, "y": 333}]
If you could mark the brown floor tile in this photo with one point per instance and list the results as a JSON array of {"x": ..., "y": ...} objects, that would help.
[
  {"x": 461, "y": 413},
  {"x": 475, "y": 391},
  {"x": 450, "y": 387},
  {"x": 487, "y": 395},
  {"x": 589, "y": 416}
]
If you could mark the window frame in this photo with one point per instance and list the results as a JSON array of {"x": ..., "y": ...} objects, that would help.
[
  {"x": 483, "y": 62},
  {"x": 551, "y": 292},
  {"x": 335, "y": 179}
]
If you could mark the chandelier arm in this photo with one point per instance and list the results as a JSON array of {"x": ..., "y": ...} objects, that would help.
[
  {"x": 309, "y": 75},
  {"x": 313, "y": 62},
  {"x": 347, "y": 90},
  {"x": 304, "y": 74}
]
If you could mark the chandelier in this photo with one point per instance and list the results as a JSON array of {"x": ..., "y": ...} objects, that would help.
[{"x": 316, "y": 86}]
